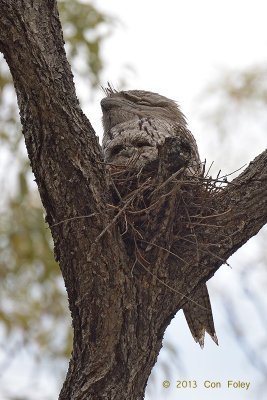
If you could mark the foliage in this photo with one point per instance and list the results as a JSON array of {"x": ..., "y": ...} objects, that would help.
[
  {"x": 236, "y": 100},
  {"x": 82, "y": 26},
  {"x": 33, "y": 301},
  {"x": 32, "y": 295}
]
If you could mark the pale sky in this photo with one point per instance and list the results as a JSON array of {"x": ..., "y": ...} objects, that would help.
[{"x": 177, "y": 47}]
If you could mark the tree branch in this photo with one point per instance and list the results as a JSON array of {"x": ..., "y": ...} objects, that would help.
[
  {"x": 241, "y": 209},
  {"x": 61, "y": 143}
]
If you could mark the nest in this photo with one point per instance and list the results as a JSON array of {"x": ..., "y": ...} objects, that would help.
[{"x": 158, "y": 214}]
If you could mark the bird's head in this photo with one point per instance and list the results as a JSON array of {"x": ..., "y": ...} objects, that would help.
[{"x": 119, "y": 107}]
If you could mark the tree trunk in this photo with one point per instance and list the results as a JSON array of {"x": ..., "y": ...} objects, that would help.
[{"x": 120, "y": 308}]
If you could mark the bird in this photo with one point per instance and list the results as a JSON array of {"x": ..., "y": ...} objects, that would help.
[{"x": 137, "y": 123}]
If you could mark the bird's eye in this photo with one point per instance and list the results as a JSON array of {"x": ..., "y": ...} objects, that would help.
[
  {"x": 130, "y": 97},
  {"x": 136, "y": 99},
  {"x": 116, "y": 150},
  {"x": 142, "y": 144},
  {"x": 144, "y": 103}
]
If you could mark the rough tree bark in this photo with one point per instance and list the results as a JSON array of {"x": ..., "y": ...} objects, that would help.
[{"x": 119, "y": 313}]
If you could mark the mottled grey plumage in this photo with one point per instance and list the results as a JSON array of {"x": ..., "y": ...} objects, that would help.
[
  {"x": 198, "y": 315},
  {"x": 135, "y": 123}
]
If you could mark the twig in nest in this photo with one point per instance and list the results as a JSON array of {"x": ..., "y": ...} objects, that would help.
[
  {"x": 206, "y": 251},
  {"x": 126, "y": 225},
  {"x": 231, "y": 173},
  {"x": 168, "y": 251},
  {"x": 207, "y": 173},
  {"x": 116, "y": 190},
  {"x": 211, "y": 216},
  {"x": 175, "y": 175},
  {"x": 169, "y": 287},
  {"x": 190, "y": 222},
  {"x": 122, "y": 166},
  {"x": 72, "y": 218},
  {"x": 135, "y": 261},
  {"x": 137, "y": 191}
]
